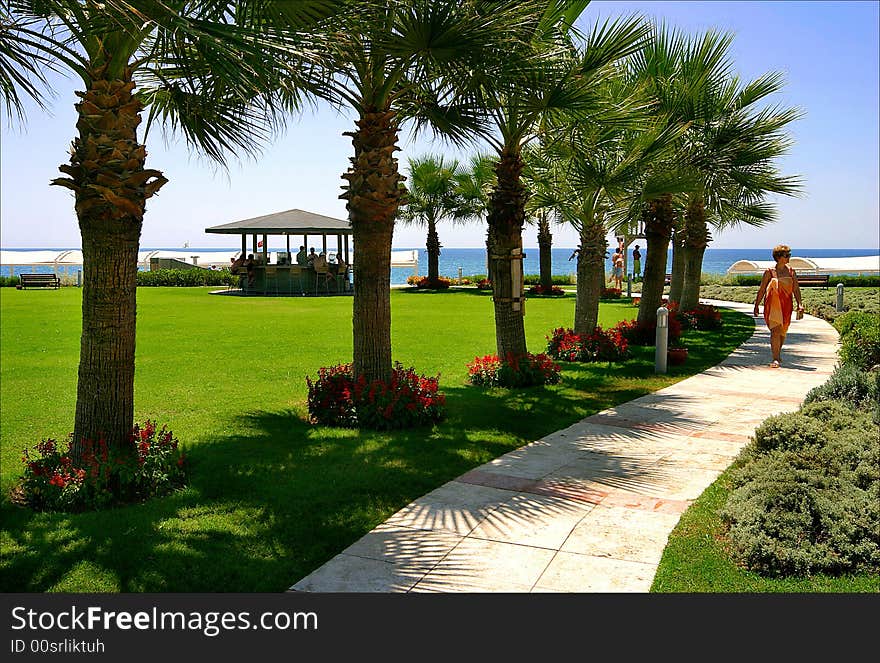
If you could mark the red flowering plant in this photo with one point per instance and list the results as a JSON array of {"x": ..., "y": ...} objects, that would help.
[
  {"x": 702, "y": 317},
  {"x": 600, "y": 345},
  {"x": 515, "y": 371},
  {"x": 636, "y": 334},
  {"x": 331, "y": 397},
  {"x": 554, "y": 291},
  {"x": 484, "y": 284},
  {"x": 408, "y": 400},
  {"x": 564, "y": 345},
  {"x": 440, "y": 283},
  {"x": 610, "y": 293},
  {"x": 103, "y": 476}
]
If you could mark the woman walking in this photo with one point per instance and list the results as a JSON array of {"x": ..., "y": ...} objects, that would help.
[{"x": 777, "y": 287}]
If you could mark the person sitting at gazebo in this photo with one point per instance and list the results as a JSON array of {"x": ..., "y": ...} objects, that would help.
[
  {"x": 249, "y": 266},
  {"x": 342, "y": 268},
  {"x": 319, "y": 262},
  {"x": 312, "y": 257}
]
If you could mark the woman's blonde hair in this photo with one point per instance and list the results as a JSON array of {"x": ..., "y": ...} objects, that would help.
[{"x": 780, "y": 250}]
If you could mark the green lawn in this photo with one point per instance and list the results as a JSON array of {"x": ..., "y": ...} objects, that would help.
[{"x": 271, "y": 497}]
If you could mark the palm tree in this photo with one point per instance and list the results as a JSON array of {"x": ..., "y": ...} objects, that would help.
[
  {"x": 474, "y": 185},
  {"x": 195, "y": 66},
  {"x": 541, "y": 215},
  {"x": 561, "y": 80},
  {"x": 431, "y": 197},
  {"x": 394, "y": 61},
  {"x": 674, "y": 69},
  {"x": 676, "y": 283},
  {"x": 732, "y": 147},
  {"x": 587, "y": 177}
]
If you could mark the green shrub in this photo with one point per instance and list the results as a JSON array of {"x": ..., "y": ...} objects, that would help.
[
  {"x": 9, "y": 281},
  {"x": 834, "y": 415},
  {"x": 790, "y": 514},
  {"x": 860, "y": 346},
  {"x": 849, "y": 384},
  {"x": 848, "y": 281},
  {"x": 558, "y": 279},
  {"x": 846, "y": 322},
  {"x": 184, "y": 277},
  {"x": 788, "y": 431}
]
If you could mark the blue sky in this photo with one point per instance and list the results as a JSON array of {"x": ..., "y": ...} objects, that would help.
[{"x": 828, "y": 51}]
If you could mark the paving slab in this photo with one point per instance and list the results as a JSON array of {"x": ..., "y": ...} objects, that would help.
[{"x": 587, "y": 508}]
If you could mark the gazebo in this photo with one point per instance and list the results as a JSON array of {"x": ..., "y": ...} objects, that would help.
[{"x": 285, "y": 276}]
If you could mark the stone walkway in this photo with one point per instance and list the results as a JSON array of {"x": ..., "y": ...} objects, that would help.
[{"x": 588, "y": 508}]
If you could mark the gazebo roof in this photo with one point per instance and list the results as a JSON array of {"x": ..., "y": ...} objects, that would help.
[{"x": 290, "y": 222}]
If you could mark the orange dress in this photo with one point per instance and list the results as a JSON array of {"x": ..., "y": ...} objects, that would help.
[{"x": 777, "y": 302}]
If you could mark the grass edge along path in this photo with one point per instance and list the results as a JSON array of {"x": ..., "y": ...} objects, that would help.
[{"x": 271, "y": 497}]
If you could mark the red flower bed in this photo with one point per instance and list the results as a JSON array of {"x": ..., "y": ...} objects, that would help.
[
  {"x": 152, "y": 466},
  {"x": 702, "y": 316},
  {"x": 408, "y": 400},
  {"x": 484, "y": 284},
  {"x": 540, "y": 290},
  {"x": 440, "y": 283},
  {"x": 601, "y": 345},
  {"x": 637, "y": 334},
  {"x": 610, "y": 293},
  {"x": 514, "y": 371}
]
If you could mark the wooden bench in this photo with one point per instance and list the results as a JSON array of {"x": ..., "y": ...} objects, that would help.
[
  {"x": 39, "y": 281},
  {"x": 812, "y": 280}
]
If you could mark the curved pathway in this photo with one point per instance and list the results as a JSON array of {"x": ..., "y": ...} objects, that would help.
[{"x": 588, "y": 508}]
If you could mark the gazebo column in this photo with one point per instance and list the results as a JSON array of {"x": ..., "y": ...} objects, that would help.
[
  {"x": 254, "y": 243},
  {"x": 265, "y": 249},
  {"x": 347, "y": 261},
  {"x": 244, "y": 245},
  {"x": 306, "y": 242},
  {"x": 324, "y": 243}
]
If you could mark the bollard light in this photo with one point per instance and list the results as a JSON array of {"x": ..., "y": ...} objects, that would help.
[
  {"x": 629, "y": 286},
  {"x": 661, "y": 340},
  {"x": 839, "y": 297}
]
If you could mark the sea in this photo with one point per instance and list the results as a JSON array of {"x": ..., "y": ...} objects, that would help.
[{"x": 469, "y": 262}]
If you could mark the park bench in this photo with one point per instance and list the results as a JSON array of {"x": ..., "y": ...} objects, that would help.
[
  {"x": 39, "y": 281},
  {"x": 813, "y": 280}
]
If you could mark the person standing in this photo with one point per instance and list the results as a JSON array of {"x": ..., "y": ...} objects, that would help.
[
  {"x": 302, "y": 257},
  {"x": 614, "y": 257},
  {"x": 637, "y": 263},
  {"x": 778, "y": 285}
]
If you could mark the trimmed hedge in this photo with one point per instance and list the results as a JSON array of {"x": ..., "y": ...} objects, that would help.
[
  {"x": 848, "y": 281},
  {"x": 184, "y": 277}
]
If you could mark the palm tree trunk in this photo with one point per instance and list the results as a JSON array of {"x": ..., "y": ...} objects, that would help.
[
  {"x": 590, "y": 277},
  {"x": 490, "y": 250},
  {"x": 696, "y": 240},
  {"x": 373, "y": 196},
  {"x": 658, "y": 228},
  {"x": 433, "y": 247},
  {"x": 506, "y": 217},
  {"x": 545, "y": 252},
  {"x": 676, "y": 283},
  {"x": 111, "y": 186}
]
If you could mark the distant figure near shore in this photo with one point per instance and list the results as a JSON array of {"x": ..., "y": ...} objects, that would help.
[{"x": 637, "y": 263}]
